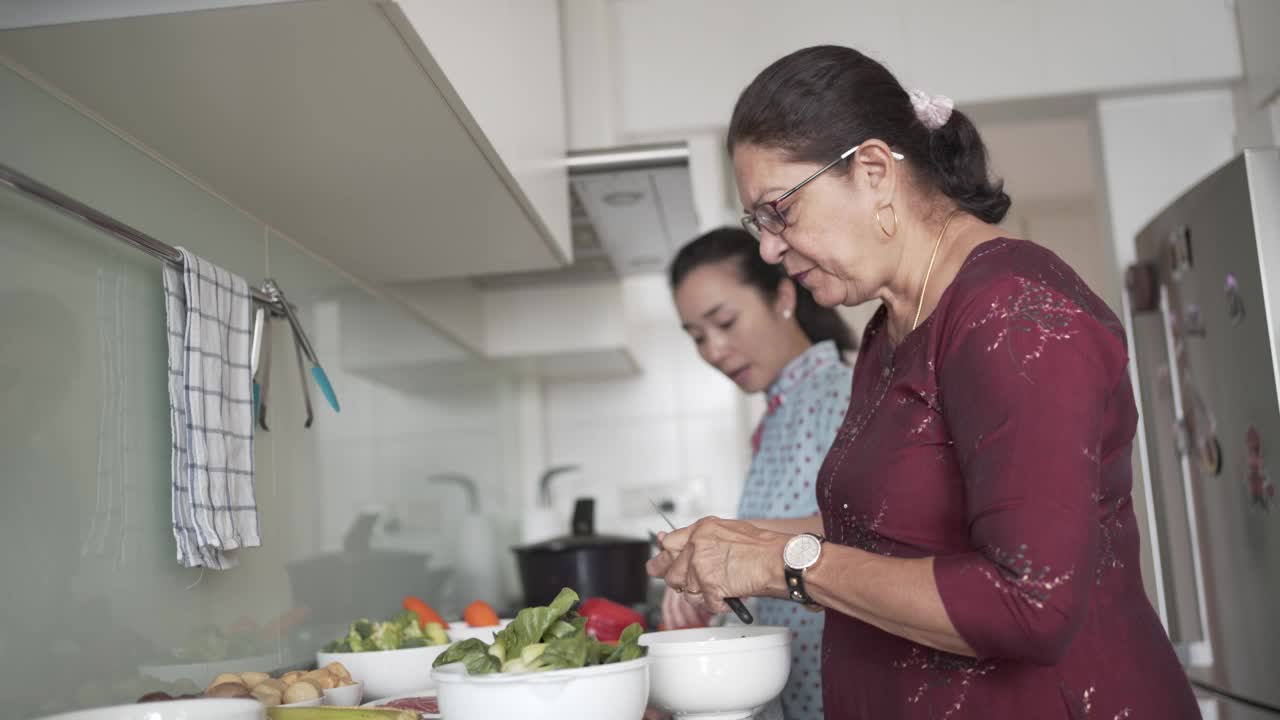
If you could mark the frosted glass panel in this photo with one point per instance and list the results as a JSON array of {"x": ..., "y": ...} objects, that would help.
[{"x": 85, "y": 541}]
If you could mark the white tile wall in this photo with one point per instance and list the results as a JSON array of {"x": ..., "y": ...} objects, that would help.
[{"x": 673, "y": 430}]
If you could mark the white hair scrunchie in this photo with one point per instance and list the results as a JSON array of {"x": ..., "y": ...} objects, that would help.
[{"x": 933, "y": 111}]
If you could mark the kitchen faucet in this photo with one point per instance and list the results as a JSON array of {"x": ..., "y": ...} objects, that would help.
[
  {"x": 544, "y": 483},
  {"x": 465, "y": 481}
]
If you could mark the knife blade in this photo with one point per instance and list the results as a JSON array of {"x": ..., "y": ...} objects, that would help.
[{"x": 735, "y": 604}]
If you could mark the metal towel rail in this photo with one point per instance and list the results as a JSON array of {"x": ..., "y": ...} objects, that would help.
[
  {"x": 269, "y": 295},
  {"x": 32, "y": 188}
]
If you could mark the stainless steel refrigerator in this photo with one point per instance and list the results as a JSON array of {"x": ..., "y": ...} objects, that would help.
[{"x": 1204, "y": 300}]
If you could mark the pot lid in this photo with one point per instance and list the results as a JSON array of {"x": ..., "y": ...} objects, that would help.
[{"x": 575, "y": 542}]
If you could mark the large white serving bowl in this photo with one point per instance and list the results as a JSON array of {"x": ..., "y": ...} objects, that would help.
[
  {"x": 462, "y": 631},
  {"x": 202, "y": 709},
  {"x": 388, "y": 672},
  {"x": 618, "y": 691},
  {"x": 725, "y": 673}
]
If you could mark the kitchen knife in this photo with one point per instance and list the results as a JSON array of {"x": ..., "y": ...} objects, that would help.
[{"x": 735, "y": 604}]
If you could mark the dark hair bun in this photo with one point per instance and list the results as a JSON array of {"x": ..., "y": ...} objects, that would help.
[{"x": 959, "y": 160}]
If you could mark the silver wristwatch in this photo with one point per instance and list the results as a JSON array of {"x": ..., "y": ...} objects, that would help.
[{"x": 800, "y": 553}]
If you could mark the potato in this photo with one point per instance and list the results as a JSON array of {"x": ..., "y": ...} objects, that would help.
[
  {"x": 228, "y": 690},
  {"x": 291, "y": 677},
  {"x": 225, "y": 678},
  {"x": 338, "y": 670},
  {"x": 322, "y": 678},
  {"x": 272, "y": 682},
  {"x": 267, "y": 694},
  {"x": 251, "y": 679},
  {"x": 301, "y": 691}
]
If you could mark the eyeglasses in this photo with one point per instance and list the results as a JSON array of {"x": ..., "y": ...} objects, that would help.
[{"x": 767, "y": 216}]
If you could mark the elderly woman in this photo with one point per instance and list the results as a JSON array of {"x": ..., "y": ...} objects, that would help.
[{"x": 976, "y": 551}]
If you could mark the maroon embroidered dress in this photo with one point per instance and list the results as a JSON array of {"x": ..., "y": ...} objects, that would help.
[{"x": 997, "y": 438}]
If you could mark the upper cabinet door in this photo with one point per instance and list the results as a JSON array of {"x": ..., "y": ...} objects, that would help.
[
  {"x": 334, "y": 122},
  {"x": 504, "y": 59}
]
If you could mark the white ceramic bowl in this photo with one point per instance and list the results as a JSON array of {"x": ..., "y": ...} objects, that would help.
[
  {"x": 724, "y": 673},
  {"x": 462, "y": 631},
  {"x": 202, "y": 709},
  {"x": 388, "y": 672},
  {"x": 345, "y": 696},
  {"x": 618, "y": 691}
]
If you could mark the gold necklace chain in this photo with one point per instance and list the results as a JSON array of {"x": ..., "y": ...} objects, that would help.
[{"x": 925, "y": 285}]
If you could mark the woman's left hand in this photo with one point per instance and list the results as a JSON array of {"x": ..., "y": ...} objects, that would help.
[{"x": 713, "y": 559}]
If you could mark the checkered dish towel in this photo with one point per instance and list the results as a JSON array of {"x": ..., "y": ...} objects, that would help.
[{"x": 209, "y": 314}]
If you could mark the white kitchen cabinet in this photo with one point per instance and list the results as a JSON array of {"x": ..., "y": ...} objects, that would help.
[
  {"x": 332, "y": 120},
  {"x": 504, "y": 59},
  {"x": 975, "y": 52}
]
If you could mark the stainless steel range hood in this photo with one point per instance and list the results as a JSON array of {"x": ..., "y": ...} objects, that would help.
[{"x": 632, "y": 208}]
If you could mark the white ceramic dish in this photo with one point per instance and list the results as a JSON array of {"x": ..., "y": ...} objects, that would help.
[
  {"x": 618, "y": 691},
  {"x": 461, "y": 631},
  {"x": 420, "y": 693},
  {"x": 721, "y": 673},
  {"x": 202, "y": 709},
  {"x": 345, "y": 696},
  {"x": 388, "y": 672}
]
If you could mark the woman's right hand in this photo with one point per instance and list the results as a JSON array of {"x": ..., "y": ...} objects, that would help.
[{"x": 677, "y": 613}]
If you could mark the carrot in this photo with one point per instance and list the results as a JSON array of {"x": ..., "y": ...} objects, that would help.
[
  {"x": 480, "y": 614},
  {"x": 426, "y": 614}
]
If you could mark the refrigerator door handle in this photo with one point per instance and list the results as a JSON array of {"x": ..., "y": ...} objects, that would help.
[{"x": 1194, "y": 653}]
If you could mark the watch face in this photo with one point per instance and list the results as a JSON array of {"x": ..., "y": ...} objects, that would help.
[{"x": 801, "y": 551}]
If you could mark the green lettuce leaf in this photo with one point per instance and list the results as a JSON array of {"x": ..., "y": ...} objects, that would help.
[
  {"x": 628, "y": 645},
  {"x": 460, "y": 651},
  {"x": 565, "y": 653},
  {"x": 482, "y": 664},
  {"x": 533, "y": 622}
]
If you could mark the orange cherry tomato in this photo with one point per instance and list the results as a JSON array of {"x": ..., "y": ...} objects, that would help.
[{"x": 480, "y": 614}]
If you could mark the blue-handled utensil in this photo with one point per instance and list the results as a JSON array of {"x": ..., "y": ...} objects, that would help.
[{"x": 304, "y": 346}]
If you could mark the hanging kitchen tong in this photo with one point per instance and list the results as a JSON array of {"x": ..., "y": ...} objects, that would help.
[{"x": 303, "y": 350}]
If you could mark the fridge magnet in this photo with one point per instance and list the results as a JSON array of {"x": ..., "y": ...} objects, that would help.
[
  {"x": 1179, "y": 243},
  {"x": 1211, "y": 455},
  {"x": 1262, "y": 491},
  {"x": 1235, "y": 304},
  {"x": 1202, "y": 428}
]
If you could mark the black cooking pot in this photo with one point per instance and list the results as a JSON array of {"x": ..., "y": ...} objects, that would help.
[{"x": 593, "y": 565}]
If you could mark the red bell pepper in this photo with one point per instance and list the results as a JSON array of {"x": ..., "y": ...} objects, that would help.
[{"x": 607, "y": 619}]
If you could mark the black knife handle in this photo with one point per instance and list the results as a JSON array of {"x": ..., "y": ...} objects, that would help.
[{"x": 740, "y": 610}]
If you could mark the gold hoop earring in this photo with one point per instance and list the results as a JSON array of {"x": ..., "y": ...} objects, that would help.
[{"x": 881, "y": 220}]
